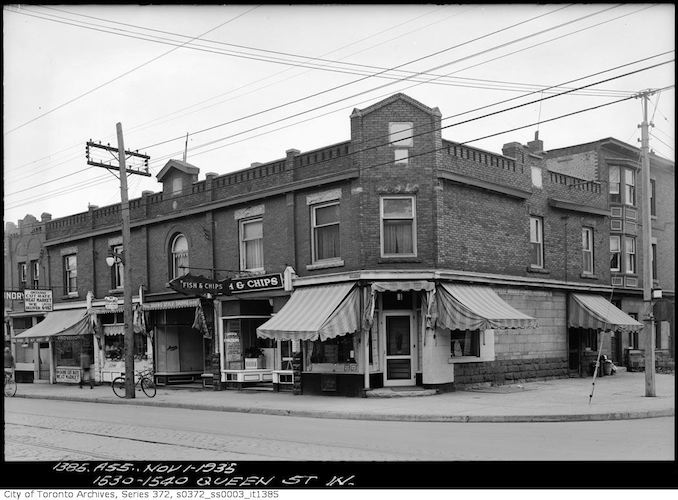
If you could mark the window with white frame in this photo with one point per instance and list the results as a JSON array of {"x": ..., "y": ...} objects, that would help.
[
  {"x": 536, "y": 242},
  {"x": 23, "y": 274},
  {"x": 622, "y": 182},
  {"x": 615, "y": 253},
  {"x": 654, "y": 261},
  {"x": 179, "y": 252},
  {"x": 252, "y": 245},
  {"x": 464, "y": 343},
  {"x": 653, "y": 197},
  {"x": 71, "y": 274},
  {"x": 398, "y": 226},
  {"x": 587, "y": 249},
  {"x": 325, "y": 228},
  {"x": 35, "y": 273},
  {"x": 117, "y": 269},
  {"x": 630, "y": 255}
]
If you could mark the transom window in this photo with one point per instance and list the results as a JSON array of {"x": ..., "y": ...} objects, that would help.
[
  {"x": 587, "y": 249},
  {"x": 179, "y": 256},
  {"x": 71, "y": 273},
  {"x": 252, "y": 245},
  {"x": 398, "y": 226},
  {"x": 325, "y": 228},
  {"x": 536, "y": 242}
]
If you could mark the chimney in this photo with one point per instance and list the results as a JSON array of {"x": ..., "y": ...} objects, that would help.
[
  {"x": 45, "y": 217},
  {"x": 255, "y": 164},
  {"x": 536, "y": 146}
]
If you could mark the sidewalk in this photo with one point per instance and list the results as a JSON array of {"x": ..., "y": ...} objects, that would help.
[{"x": 621, "y": 396}]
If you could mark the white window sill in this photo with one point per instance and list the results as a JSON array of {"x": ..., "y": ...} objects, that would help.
[
  {"x": 464, "y": 359},
  {"x": 325, "y": 265}
]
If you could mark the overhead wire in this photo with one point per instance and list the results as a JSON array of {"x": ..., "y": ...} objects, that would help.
[{"x": 122, "y": 75}]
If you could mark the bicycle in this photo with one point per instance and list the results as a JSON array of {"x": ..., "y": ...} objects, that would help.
[
  {"x": 9, "y": 385},
  {"x": 144, "y": 378}
]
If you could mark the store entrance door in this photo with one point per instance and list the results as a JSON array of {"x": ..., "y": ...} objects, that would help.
[
  {"x": 43, "y": 361},
  {"x": 399, "y": 342}
]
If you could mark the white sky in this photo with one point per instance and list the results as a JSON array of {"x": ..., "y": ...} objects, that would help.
[{"x": 72, "y": 72}]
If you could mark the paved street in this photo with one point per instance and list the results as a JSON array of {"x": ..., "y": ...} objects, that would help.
[{"x": 46, "y": 430}]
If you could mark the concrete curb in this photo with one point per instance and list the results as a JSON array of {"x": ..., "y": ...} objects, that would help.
[{"x": 575, "y": 417}]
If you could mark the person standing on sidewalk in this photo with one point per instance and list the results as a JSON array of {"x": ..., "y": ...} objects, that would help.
[
  {"x": 85, "y": 363},
  {"x": 9, "y": 363}
]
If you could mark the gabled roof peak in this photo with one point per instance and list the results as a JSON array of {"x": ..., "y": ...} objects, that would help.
[
  {"x": 182, "y": 166},
  {"x": 391, "y": 99}
]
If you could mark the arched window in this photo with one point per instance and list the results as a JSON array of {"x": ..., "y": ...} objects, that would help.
[{"x": 179, "y": 251}]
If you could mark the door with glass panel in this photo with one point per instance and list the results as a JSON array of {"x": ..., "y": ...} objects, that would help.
[{"x": 399, "y": 343}]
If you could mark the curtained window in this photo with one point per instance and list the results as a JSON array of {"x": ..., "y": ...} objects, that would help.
[
  {"x": 615, "y": 253},
  {"x": 398, "y": 226},
  {"x": 252, "y": 245},
  {"x": 71, "y": 274},
  {"x": 629, "y": 255},
  {"x": 587, "y": 249},
  {"x": 325, "y": 222}
]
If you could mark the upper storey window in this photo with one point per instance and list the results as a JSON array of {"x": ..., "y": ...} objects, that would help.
[
  {"x": 71, "y": 274},
  {"x": 622, "y": 185},
  {"x": 179, "y": 252},
  {"x": 536, "y": 242},
  {"x": 252, "y": 245},
  {"x": 400, "y": 137},
  {"x": 325, "y": 224},
  {"x": 398, "y": 226}
]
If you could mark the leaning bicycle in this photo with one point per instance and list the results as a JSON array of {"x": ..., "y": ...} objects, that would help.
[
  {"x": 144, "y": 379},
  {"x": 10, "y": 385}
]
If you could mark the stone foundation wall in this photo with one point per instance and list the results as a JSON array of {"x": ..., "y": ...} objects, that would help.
[{"x": 509, "y": 371}]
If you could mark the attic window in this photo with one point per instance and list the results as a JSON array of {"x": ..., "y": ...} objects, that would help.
[{"x": 177, "y": 185}]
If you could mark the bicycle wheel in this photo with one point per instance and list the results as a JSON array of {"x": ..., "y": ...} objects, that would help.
[
  {"x": 148, "y": 386},
  {"x": 10, "y": 387},
  {"x": 118, "y": 386}
]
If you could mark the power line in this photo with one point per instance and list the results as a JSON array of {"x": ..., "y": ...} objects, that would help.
[
  {"x": 123, "y": 74},
  {"x": 387, "y": 84}
]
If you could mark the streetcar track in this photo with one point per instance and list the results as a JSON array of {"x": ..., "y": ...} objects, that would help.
[
  {"x": 57, "y": 448},
  {"x": 137, "y": 440},
  {"x": 282, "y": 443}
]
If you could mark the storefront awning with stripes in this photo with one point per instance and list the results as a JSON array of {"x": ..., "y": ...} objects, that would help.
[
  {"x": 474, "y": 307},
  {"x": 316, "y": 313},
  {"x": 70, "y": 322},
  {"x": 594, "y": 311}
]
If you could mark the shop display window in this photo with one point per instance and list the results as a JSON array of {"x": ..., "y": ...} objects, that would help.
[
  {"x": 336, "y": 350},
  {"x": 465, "y": 343}
]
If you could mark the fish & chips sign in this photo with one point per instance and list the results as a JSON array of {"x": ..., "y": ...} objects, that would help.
[{"x": 199, "y": 285}]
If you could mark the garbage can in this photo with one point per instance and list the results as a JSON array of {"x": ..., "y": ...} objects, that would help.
[{"x": 607, "y": 367}]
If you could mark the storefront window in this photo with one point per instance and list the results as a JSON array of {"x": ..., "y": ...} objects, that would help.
[
  {"x": 465, "y": 343},
  {"x": 336, "y": 350},
  {"x": 114, "y": 347}
]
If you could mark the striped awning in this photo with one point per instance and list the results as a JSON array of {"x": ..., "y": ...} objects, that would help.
[
  {"x": 594, "y": 311},
  {"x": 70, "y": 322},
  {"x": 402, "y": 286},
  {"x": 472, "y": 307},
  {"x": 315, "y": 312}
]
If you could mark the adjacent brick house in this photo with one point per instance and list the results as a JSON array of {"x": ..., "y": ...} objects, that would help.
[{"x": 407, "y": 260}]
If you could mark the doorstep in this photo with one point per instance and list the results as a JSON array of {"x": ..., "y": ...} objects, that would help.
[{"x": 400, "y": 392}]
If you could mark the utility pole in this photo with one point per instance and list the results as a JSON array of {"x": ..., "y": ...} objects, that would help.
[
  {"x": 648, "y": 317},
  {"x": 125, "y": 258}
]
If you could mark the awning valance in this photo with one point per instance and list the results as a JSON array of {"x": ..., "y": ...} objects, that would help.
[
  {"x": 594, "y": 311},
  {"x": 402, "y": 286},
  {"x": 316, "y": 312},
  {"x": 171, "y": 304},
  {"x": 59, "y": 323},
  {"x": 472, "y": 307}
]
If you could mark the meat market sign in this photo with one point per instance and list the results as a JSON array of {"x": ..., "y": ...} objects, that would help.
[{"x": 199, "y": 285}]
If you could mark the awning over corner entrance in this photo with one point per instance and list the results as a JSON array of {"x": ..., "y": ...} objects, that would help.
[
  {"x": 315, "y": 312},
  {"x": 472, "y": 307},
  {"x": 593, "y": 311},
  {"x": 58, "y": 323}
]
